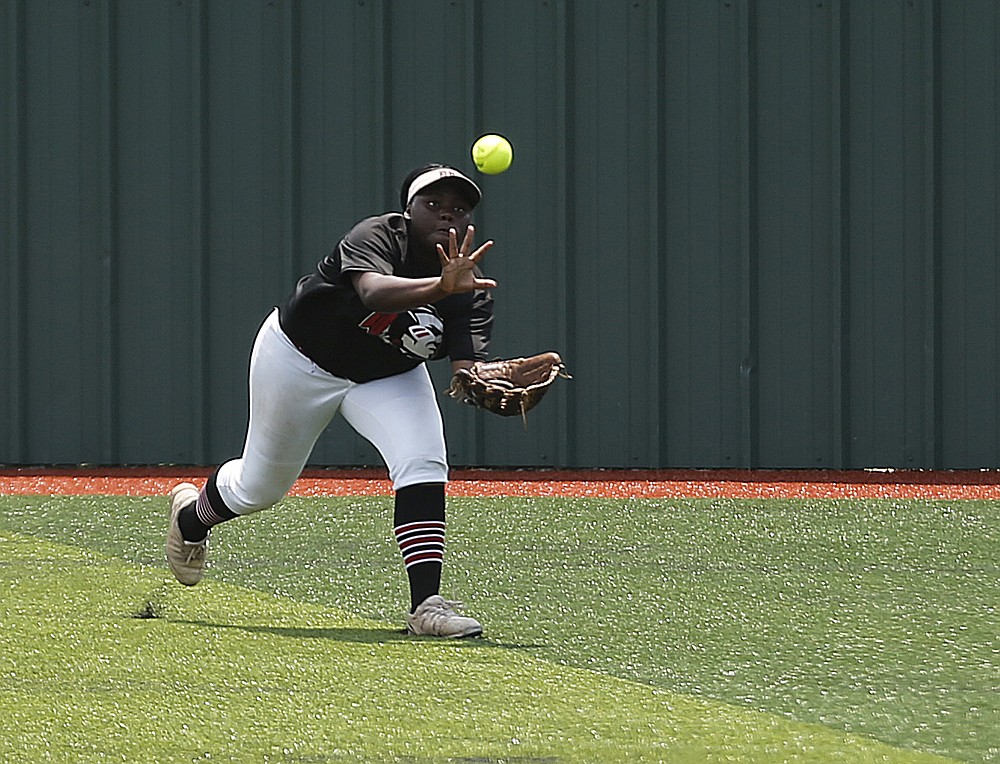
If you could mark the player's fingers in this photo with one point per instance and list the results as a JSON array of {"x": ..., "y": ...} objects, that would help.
[
  {"x": 481, "y": 251},
  {"x": 453, "y": 250},
  {"x": 442, "y": 255},
  {"x": 470, "y": 232},
  {"x": 485, "y": 283}
]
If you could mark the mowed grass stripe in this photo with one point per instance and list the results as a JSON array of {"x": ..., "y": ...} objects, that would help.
[
  {"x": 224, "y": 673},
  {"x": 876, "y": 618}
]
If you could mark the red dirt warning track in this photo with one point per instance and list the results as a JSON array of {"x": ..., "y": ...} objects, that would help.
[{"x": 618, "y": 484}]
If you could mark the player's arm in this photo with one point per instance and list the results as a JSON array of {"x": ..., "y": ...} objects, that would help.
[
  {"x": 386, "y": 292},
  {"x": 391, "y": 294}
]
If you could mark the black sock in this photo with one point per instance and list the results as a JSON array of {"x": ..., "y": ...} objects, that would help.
[
  {"x": 199, "y": 517},
  {"x": 419, "y": 527}
]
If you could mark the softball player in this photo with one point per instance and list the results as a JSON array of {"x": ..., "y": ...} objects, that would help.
[{"x": 353, "y": 338}]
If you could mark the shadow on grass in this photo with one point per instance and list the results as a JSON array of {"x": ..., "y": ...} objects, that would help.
[
  {"x": 339, "y": 634},
  {"x": 359, "y": 636}
]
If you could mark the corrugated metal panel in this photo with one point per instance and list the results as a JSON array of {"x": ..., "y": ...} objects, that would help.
[
  {"x": 61, "y": 253},
  {"x": 966, "y": 330},
  {"x": 706, "y": 236},
  {"x": 794, "y": 323},
  {"x": 892, "y": 187},
  {"x": 763, "y": 232}
]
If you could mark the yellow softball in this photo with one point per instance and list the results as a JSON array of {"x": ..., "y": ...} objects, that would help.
[{"x": 492, "y": 154}]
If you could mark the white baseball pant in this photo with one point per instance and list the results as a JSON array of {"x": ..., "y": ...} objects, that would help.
[{"x": 292, "y": 401}]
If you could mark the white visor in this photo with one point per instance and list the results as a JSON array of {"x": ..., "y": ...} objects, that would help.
[{"x": 425, "y": 179}]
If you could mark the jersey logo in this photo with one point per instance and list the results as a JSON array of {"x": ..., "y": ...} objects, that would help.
[
  {"x": 415, "y": 333},
  {"x": 378, "y": 323}
]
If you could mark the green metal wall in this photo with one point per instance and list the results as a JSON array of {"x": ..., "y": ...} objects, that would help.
[{"x": 764, "y": 233}]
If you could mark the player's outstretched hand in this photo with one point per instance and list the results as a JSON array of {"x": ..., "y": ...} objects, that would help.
[{"x": 458, "y": 265}]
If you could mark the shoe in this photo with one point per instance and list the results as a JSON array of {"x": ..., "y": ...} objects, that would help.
[
  {"x": 436, "y": 617},
  {"x": 186, "y": 558}
]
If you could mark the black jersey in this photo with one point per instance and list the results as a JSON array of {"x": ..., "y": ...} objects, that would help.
[{"x": 326, "y": 320}]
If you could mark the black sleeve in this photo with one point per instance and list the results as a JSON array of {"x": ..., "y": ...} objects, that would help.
[
  {"x": 468, "y": 323},
  {"x": 373, "y": 244},
  {"x": 480, "y": 325}
]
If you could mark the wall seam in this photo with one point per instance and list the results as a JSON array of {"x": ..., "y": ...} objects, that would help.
[
  {"x": 111, "y": 341},
  {"x": 750, "y": 428},
  {"x": 17, "y": 357},
  {"x": 933, "y": 267},
  {"x": 842, "y": 162},
  {"x": 200, "y": 371}
]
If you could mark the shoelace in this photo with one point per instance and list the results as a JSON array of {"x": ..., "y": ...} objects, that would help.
[
  {"x": 449, "y": 607},
  {"x": 443, "y": 613},
  {"x": 440, "y": 618},
  {"x": 196, "y": 551}
]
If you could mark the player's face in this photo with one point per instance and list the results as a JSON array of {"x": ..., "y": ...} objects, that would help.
[{"x": 436, "y": 210}]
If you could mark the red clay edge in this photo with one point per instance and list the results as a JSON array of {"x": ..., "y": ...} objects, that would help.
[{"x": 605, "y": 484}]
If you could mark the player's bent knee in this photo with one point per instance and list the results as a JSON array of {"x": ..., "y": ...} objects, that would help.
[
  {"x": 418, "y": 469},
  {"x": 248, "y": 497}
]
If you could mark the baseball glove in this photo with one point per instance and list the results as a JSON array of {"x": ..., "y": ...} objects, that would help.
[{"x": 507, "y": 387}]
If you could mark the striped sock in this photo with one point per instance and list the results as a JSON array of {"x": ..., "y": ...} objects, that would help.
[
  {"x": 207, "y": 514},
  {"x": 419, "y": 526},
  {"x": 198, "y": 518},
  {"x": 421, "y": 542},
  {"x": 422, "y": 545}
]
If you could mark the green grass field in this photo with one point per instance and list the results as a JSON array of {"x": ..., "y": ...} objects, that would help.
[{"x": 654, "y": 630}]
